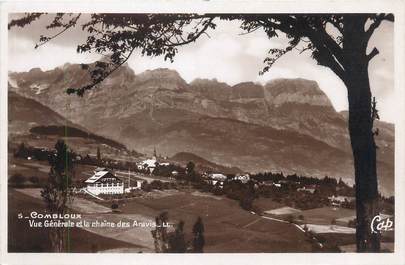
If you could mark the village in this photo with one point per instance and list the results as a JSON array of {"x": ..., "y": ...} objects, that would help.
[
  {"x": 113, "y": 180},
  {"x": 316, "y": 207}
]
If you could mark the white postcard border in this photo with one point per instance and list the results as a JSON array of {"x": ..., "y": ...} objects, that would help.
[{"x": 289, "y": 6}]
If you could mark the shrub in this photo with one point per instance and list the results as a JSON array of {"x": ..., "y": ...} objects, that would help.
[
  {"x": 352, "y": 223},
  {"x": 34, "y": 180},
  {"x": 157, "y": 185},
  {"x": 145, "y": 186},
  {"x": 217, "y": 191},
  {"x": 290, "y": 218},
  {"x": 17, "y": 180},
  {"x": 300, "y": 217}
]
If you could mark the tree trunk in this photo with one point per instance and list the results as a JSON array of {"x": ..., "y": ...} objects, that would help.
[
  {"x": 356, "y": 79},
  {"x": 364, "y": 154}
]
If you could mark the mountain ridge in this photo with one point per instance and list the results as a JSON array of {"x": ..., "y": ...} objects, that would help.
[{"x": 157, "y": 107}]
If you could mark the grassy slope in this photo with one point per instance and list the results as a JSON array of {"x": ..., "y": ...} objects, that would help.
[
  {"x": 22, "y": 238},
  {"x": 228, "y": 228}
]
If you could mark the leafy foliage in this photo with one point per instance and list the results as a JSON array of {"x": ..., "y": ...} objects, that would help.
[
  {"x": 160, "y": 235},
  {"x": 177, "y": 242},
  {"x": 57, "y": 192},
  {"x": 198, "y": 239},
  {"x": 117, "y": 36}
]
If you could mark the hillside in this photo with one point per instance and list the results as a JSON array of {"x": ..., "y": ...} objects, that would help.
[
  {"x": 202, "y": 164},
  {"x": 35, "y": 124},
  {"x": 68, "y": 131},
  {"x": 25, "y": 113}
]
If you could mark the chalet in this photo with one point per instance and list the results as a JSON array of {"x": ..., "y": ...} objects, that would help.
[
  {"x": 175, "y": 173},
  {"x": 271, "y": 183},
  {"x": 308, "y": 188},
  {"x": 215, "y": 179},
  {"x": 104, "y": 182},
  {"x": 244, "y": 178},
  {"x": 148, "y": 164},
  {"x": 337, "y": 201}
]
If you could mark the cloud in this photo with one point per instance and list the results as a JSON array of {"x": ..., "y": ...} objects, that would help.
[{"x": 22, "y": 56}]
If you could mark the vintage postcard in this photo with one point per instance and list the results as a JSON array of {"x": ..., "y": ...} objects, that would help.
[{"x": 220, "y": 134}]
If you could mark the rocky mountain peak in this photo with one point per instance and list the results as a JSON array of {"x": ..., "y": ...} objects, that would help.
[
  {"x": 247, "y": 90},
  {"x": 298, "y": 90},
  {"x": 205, "y": 82},
  {"x": 162, "y": 78}
]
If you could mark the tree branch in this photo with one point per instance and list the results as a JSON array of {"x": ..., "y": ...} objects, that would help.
[
  {"x": 377, "y": 21},
  {"x": 71, "y": 23},
  {"x": 26, "y": 20},
  {"x": 80, "y": 91},
  {"x": 372, "y": 54},
  {"x": 195, "y": 37}
]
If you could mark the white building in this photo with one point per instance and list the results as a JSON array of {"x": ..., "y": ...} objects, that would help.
[
  {"x": 215, "y": 179},
  {"x": 339, "y": 200},
  {"x": 308, "y": 188},
  {"x": 244, "y": 178},
  {"x": 104, "y": 182},
  {"x": 134, "y": 185},
  {"x": 148, "y": 164}
]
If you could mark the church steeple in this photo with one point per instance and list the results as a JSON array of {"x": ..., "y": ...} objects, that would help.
[{"x": 154, "y": 153}]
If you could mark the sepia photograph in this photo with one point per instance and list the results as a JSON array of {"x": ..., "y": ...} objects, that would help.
[{"x": 172, "y": 132}]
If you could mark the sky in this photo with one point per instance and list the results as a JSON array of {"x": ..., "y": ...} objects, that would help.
[{"x": 226, "y": 55}]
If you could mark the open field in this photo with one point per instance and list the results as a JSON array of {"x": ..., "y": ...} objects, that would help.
[
  {"x": 29, "y": 168},
  {"x": 265, "y": 204},
  {"x": 283, "y": 211},
  {"x": 319, "y": 229},
  {"x": 140, "y": 236},
  {"x": 22, "y": 238},
  {"x": 324, "y": 215},
  {"x": 345, "y": 220},
  {"x": 228, "y": 228},
  {"x": 79, "y": 205},
  {"x": 92, "y": 211}
]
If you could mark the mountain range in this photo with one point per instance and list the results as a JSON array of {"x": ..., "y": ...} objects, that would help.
[{"x": 285, "y": 125}]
